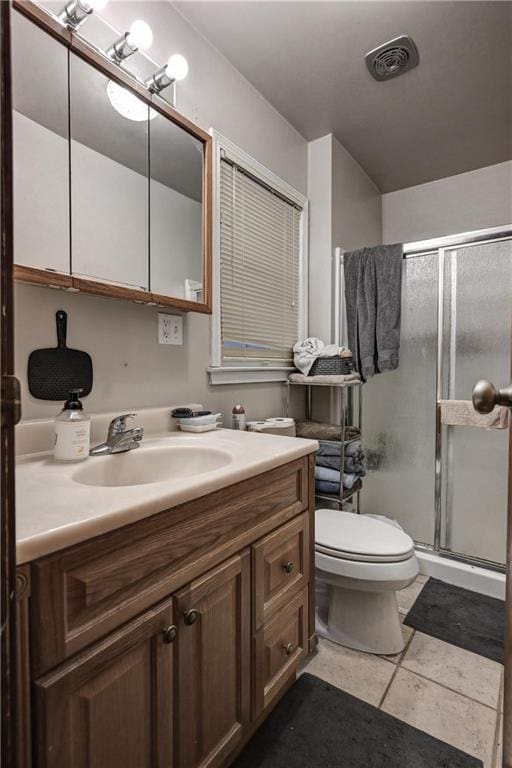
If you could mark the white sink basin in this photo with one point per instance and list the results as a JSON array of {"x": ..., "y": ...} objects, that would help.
[{"x": 151, "y": 465}]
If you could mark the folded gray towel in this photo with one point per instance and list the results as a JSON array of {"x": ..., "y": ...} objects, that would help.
[
  {"x": 316, "y": 430},
  {"x": 324, "y": 486},
  {"x": 334, "y": 448},
  {"x": 353, "y": 449},
  {"x": 333, "y": 476},
  {"x": 349, "y": 465},
  {"x": 331, "y": 462},
  {"x": 373, "y": 291},
  {"x": 323, "y": 473}
]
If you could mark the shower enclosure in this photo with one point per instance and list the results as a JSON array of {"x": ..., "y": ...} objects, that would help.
[{"x": 447, "y": 486}]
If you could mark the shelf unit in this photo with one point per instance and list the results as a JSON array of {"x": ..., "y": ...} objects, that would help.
[{"x": 345, "y": 392}]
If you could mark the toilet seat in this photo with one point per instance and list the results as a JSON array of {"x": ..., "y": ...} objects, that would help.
[{"x": 360, "y": 538}]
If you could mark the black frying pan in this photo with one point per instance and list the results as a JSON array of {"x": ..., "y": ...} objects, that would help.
[{"x": 54, "y": 372}]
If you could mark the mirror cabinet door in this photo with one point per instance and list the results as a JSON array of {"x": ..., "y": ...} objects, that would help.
[
  {"x": 109, "y": 179},
  {"x": 40, "y": 148},
  {"x": 176, "y": 211}
]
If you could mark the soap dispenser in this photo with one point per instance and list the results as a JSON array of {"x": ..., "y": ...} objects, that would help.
[{"x": 72, "y": 430}]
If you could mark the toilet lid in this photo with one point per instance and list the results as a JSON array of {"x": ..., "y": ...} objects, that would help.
[{"x": 358, "y": 537}]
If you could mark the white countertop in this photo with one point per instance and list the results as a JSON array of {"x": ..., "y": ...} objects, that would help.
[{"x": 54, "y": 511}]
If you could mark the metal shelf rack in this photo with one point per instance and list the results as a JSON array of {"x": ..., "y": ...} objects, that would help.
[{"x": 346, "y": 406}]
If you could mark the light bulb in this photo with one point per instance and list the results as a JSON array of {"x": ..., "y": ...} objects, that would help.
[
  {"x": 140, "y": 35},
  {"x": 177, "y": 67},
  {"x": 95, "y": 5}
]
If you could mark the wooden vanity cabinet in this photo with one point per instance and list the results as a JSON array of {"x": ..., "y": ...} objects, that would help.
[
  {"x": 184, "y": 681},
  {"x": 86, "y": 713}
]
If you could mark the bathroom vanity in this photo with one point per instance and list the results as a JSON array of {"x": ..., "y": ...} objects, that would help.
[{"x": 166, "y": 639}]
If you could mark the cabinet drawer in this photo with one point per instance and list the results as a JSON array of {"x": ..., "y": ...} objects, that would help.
[
  {"x": 278, "y": 647},
  {"x": 86, "y": 591},
  {"x": 281, "y": 567}
]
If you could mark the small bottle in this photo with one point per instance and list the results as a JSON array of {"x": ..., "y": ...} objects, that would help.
[
  {"x": 238, "y": 417},
  {"x": 72, "y": 430}
]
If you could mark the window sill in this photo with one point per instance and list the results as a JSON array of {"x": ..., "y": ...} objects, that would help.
[{"x": 246, "y": 375}]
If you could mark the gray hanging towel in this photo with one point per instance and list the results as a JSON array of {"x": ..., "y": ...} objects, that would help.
[{"x": 373, "y": 292}]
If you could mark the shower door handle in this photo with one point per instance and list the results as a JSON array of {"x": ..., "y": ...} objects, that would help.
[{"x": 486, "y": 396}]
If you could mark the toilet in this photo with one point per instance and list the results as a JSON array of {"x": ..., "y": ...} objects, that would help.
[{"x": 361, "y": 561}]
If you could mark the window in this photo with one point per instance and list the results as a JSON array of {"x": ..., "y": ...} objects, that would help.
[{"x": 259, "y": 308}]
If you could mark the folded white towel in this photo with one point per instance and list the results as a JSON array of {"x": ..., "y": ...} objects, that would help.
[
  {"x": 460, "y": 413},
  {"x": 306, "y": 352},
  {"x": 327, "y": 381}
]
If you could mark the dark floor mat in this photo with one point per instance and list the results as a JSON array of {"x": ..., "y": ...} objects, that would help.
[
  {"x": 458, "y": 616},
  {"x": 318, "y": 726}
]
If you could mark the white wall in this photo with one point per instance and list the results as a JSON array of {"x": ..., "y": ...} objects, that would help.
[
  {"x": 345, "y": 212},
  {"x": 474, "y": 200},
  {"x": 131, "y": 369},
  {"x": 320, "y": 235},
  {"x": 356, "y": 204}
]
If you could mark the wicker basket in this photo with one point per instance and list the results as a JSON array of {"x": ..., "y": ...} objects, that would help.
[{"x": 332, "y": 366}]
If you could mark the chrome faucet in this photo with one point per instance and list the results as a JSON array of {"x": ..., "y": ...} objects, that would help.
[{"x": 119, "y": 439}]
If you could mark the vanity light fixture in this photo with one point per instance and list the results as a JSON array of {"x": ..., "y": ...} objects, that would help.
[
  {"x": 77, "y": 11},
  {"x": 140, "y": 37},
  {"x": 175, "y": 69}
]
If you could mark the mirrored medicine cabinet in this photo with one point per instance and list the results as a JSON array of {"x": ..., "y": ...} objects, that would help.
[{"x": 112, "y": 186}]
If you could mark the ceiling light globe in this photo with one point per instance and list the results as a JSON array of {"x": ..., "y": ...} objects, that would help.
[
  {"x": 177, "y": 67},
  {"x": 140, "y": 35},
  {"x": 127, "y": 104}
]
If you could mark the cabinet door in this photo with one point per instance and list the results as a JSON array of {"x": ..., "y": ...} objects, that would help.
[
  {"x": 214, "y": 664},
  {"x": 111, "y": 706},
  {"x": 109, "y": 179},
  {"x": 40, "y": 148}
]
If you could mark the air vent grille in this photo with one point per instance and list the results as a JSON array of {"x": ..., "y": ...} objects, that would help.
[{"x": 392, "y": 58}]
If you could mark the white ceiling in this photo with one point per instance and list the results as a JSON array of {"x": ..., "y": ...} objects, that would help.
[{"x": 451, "y": 114}]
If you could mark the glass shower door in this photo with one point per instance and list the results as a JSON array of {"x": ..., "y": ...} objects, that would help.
[
  {"x": 477, "y": 322},
  {"x": 399, "y": 412}
]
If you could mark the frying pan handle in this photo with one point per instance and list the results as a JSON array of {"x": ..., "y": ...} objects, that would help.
[{"x": 62, "y": 327}]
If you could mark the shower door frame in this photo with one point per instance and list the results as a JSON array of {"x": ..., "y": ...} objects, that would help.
[{"x": 441, "y": 246}]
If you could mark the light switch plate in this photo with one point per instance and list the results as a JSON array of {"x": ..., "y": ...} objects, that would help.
[{"x": 170, "y": 329}]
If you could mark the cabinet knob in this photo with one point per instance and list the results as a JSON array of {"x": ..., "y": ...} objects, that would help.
[
  {"x": 191, "y": 616},
  {"x": 288, "y": 649},
  {"x": 288, "y": 567},
  {"x": 169, "y": 634}
]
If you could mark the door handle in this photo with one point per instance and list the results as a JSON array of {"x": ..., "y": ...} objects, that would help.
[{"x": 486, "y": 396}]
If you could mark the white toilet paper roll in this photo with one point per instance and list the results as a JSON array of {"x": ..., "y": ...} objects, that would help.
[{"x": 256, "y": 426}]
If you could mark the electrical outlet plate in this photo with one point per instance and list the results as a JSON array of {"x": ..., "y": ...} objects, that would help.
[{"x": 170, "y": 329}]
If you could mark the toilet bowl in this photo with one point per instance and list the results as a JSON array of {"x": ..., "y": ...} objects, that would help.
[{"x": 361, "y": 561}]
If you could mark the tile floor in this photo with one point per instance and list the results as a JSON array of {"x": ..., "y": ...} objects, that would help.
[{"x": 453, "y": 694}]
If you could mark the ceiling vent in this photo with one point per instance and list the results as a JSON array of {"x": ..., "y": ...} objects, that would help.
[{"x": 393, "y": 58}]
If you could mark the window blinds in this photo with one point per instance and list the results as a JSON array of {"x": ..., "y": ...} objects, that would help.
[{"x": 259, "y": 270}]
